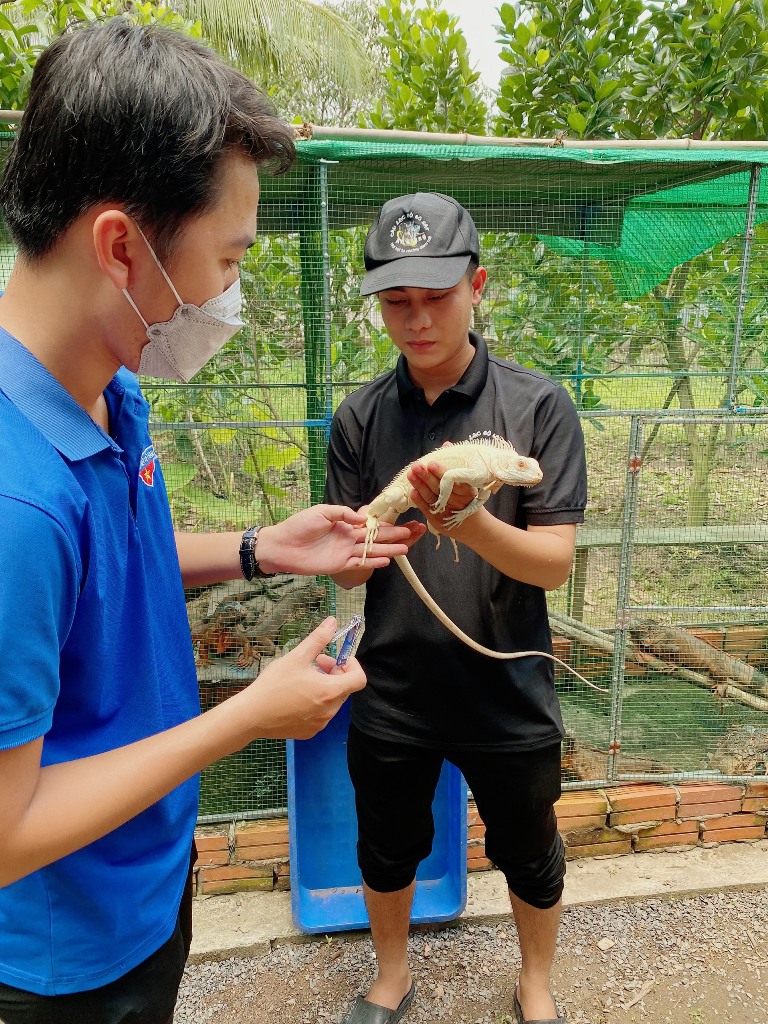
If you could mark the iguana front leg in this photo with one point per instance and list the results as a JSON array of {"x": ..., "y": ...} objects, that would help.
[
  {"x": 475, "y": 477},
  {"x": 392, "y": 502},
  {"x": 461, "y": 514}
]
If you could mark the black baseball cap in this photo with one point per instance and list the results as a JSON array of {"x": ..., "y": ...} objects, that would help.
[{"x": 424, "y": 240}]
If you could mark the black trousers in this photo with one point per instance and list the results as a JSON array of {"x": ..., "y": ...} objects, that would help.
[
  {"x": 515, "y": 794},
  {"x": 145, "y": 995}
]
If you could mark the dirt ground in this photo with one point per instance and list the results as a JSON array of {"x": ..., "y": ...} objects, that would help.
[{"x": 693, "y": 960}]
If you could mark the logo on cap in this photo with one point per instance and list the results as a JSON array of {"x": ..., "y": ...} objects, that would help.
[{"x": 410, "y": 233}]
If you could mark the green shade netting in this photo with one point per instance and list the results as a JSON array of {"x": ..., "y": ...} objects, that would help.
[
  {"x": 643, "y": 210},
  {"x": 662, "y": 230}
]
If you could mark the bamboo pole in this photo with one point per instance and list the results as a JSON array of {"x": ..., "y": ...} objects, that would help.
[
  {"x": 330, "y": 133},
  {"x": 576, "y": 630}
]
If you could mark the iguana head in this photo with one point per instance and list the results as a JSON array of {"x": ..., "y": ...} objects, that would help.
[{"x": 515, "y": 469}]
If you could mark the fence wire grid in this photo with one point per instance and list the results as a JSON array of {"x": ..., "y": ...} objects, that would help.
[{"x": 639, "y": 280}]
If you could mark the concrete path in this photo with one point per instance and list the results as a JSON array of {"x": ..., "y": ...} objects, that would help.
[{"x": 248, "y": 924}]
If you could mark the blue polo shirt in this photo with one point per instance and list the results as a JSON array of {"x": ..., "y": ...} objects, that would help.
[{"x": 95, "y": 653}]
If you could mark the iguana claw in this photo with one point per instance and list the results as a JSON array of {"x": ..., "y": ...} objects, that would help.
[{"x": 371, "y": 533}]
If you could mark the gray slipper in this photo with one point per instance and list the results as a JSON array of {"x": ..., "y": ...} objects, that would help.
[
  {"x": 363, "y": 1012},
  {"x": 560, "y": 1019}
]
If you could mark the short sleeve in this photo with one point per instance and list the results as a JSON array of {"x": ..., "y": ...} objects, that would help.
[
  {"x": 342, "y": 482},
  {"x": 40, "y": 583},
  {"x": 558, "y": 445}
]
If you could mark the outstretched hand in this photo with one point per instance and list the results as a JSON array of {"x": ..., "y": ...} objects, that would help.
[
  {"x": 327, "y": 539},
  {"x": 299, "y": 693}
]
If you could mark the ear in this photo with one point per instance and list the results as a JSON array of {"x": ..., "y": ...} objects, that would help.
[
  {"x": 478, "y": 284},
  {"x": 114, "y": 238}
]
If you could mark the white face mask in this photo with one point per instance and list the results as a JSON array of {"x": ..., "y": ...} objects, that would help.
[{"x": 180, "y": 347}]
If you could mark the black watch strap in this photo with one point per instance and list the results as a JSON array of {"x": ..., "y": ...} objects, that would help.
[{"x": 248, "y": 561}]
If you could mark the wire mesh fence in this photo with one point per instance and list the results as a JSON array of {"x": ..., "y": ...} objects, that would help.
[{"x": 638, "y": 279}]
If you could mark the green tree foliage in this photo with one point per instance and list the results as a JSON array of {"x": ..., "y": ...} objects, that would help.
[
  {"x": 325, "y": 99},
  {"x": 267, "y": 39},
  {"x": 18, "y": 53},
  {"x": 430, "y": 85},
  {"x": 270, "y": 38},
  {"x": 595, "y": 69},
  {"x": 607, "y": 68},
  {"x": 26, "y": 29}
]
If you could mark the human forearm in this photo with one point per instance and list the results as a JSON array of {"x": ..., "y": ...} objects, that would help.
[
  {"x": 49, "y": 812},
  {"x": 541, "y": 556},
  {"x": 207, "y": 558},
  {"x": 77, "y": 802},
  {"x": 320, "y": 540},
  {"x": 352, "y": 578}
]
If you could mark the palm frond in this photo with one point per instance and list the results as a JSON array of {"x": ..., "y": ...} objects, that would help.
[{"x": 268, "y": 38}]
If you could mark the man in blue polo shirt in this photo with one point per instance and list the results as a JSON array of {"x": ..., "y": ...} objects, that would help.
[{"x": 131, "y": 193}]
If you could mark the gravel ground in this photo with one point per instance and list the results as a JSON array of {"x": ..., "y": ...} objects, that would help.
[{"x": 693, "y": 960}]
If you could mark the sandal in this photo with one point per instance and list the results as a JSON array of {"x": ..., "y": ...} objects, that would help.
[
  {"x": 364, "y": 1012},
  {"x": 559, "y": 1019}
]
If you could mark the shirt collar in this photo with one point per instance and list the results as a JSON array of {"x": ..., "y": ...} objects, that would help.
[
  {"x": 38, "y": 395},
  {"x": 471, "y": 383}
]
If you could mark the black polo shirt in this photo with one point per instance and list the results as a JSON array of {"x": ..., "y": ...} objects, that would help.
[{"x": 424, "y": 685}]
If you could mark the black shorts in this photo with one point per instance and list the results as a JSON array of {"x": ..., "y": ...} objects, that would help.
[
  {"x": 145, "y": 995},
  {"x": 515, "y": 795}
]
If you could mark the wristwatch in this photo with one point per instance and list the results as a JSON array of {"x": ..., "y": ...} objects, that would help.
[{"x": 248, "y": 561}]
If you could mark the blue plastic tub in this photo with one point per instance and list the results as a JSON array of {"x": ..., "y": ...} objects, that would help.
[{"x": 326, "y": 887}]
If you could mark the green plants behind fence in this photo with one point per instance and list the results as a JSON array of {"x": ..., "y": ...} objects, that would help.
[{"x": 637, "y": 277}]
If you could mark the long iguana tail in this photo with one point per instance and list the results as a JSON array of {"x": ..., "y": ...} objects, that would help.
[{"x": 409, "y": 573}]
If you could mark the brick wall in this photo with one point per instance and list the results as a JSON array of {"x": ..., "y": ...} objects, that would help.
[{"x": 593, "y": 823}]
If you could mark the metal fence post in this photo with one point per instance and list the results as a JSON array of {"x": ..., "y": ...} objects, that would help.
[
  {"x": 741, "y": 301},
  {"x": 314, "y": 297},
  {"x": 628, "y": 524}
]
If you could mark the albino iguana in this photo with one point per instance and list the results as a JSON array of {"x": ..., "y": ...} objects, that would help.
[{"x": 486, "y": 462}]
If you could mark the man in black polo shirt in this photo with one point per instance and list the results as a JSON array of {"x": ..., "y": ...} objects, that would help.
[{"x": 429, "y": 696}]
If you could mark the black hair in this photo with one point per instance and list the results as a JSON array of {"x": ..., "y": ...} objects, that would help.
[
  {"x": 136, "y": 115},
  {"x": 474, "y": 263}
]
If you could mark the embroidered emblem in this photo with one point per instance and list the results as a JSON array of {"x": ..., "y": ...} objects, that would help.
[
  {"x": 410, "y": 233},
  {"x": 147, "y": 466}
]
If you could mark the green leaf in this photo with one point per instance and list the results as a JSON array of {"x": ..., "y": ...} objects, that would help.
[
  {"x": 271, "y": 456},
  {"x": 523, "y": 34},
  {"x": 606, "y": 89},
  {"x": 222, "y": 435},
  {"x": 184, "y": 445},
  {"x": 177, "y": 475},
  {"x": 507, "y": 14},
  {"x": 272, "y": 491},
  {"x": 577, "y": 121}
]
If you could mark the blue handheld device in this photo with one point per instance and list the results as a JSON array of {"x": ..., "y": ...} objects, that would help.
[{"x": 349, "y": 632}]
